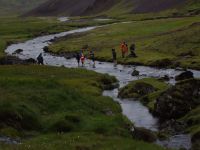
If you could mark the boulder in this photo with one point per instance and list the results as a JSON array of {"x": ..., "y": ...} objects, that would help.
[
  {"x": 178, "y": 100},
  {"x": 185, "y": 75},
  {"x": 144, "y": 134},
  {"x": 18, "y": 51},
  {"x": 165, "y": 78},
  {"x": 136, "y": 90},
  {"x": 46, "y": 49},
  {"x": 135, "y": 73}
]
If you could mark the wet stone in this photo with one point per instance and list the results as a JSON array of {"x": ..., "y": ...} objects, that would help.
[
  {"x": 135, "y": 73},
  {"x": 185, "y": 75}
]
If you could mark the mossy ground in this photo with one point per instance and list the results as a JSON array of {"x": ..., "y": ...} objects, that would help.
[
  {"x": 59, "y": 108},
  {"x": 148, "y": 99}
]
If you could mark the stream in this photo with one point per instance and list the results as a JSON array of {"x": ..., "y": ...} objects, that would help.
[{"x": 133, "y": 110}]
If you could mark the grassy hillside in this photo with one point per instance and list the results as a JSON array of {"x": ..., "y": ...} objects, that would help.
[
  {"x": 14, "y": 7},
  {"x": 176, "y": 40},
  {"x": 60, "y": 108}
]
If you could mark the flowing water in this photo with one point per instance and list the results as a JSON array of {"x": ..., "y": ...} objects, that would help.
[
  {"x": 133, "y": 110},
  {"x": 63, "y": 19},
  {"x": 8, "y": 140}
]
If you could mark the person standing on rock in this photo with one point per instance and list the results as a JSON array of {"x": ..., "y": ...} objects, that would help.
[
  {"x": 114, "y": 56},
  {"x": 40, "y": 59},
  {"x": 124, "y": 49},
  {"x": 78, "y": 57}
]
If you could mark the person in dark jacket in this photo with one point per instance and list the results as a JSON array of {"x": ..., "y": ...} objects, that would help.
[
  {"x": 132, "y": 50},
  {"x": 78, "y": 57},
  {"x": 114, "y": 55},
  {"x": 40, "y": 59},
  {"x": 92, "y": 58}
]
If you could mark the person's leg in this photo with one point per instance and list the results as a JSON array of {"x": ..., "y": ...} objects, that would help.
[{"x": 93, "y": 63}]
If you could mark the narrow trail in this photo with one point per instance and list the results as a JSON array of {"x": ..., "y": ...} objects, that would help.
[{"x": 133, "y": 110}]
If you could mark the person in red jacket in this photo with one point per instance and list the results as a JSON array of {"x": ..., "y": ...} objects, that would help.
[{"x": 82, "y": 59}]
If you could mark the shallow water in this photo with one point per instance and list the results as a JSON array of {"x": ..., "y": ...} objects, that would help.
[
  {"x": 8, "y": 140},
  {"x": 133, "y": 110},
  {"x": 63, "y": 19},
  {"x": 177, "y": 142}
]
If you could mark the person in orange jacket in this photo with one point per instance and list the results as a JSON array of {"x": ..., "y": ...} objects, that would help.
[{"x": 124, "y": 49}]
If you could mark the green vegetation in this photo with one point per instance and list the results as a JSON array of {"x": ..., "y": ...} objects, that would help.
[
  {"x": 175, "y": 40},
  {"x": 61, "y": 108},
  {"x": 146, "y": 90},
  {"x": 13, "y": 29},
  {"x": 76, "y": 141}
]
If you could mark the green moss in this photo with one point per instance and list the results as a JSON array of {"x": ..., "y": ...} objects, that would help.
[
  {"x": 193, "y": 120},
  {"x": 157, "y": 86}
]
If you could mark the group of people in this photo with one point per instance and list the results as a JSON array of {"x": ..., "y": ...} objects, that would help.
[
  {"x": 83, "y": 54},
  {"x": 124, "y": 51},
  {"x": 81, "y": 57}
]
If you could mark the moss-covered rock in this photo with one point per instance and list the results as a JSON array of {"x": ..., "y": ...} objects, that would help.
[
  {"x": 108, "y": 82},
  {"x": 185, "y": 75},
  {"x": 143, "y": 89},
  {"x": 136, "y": 90},
  {"x": 135, "y": 73},
  {"x": 144, "y": 134},
  {"x": 177, "y": 101}
]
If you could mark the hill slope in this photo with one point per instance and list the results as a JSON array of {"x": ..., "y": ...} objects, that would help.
[
  {"x": 72, "y": 8},
  {"x": 8, "y": 7},
  {"x": 91, "y": 7}
]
